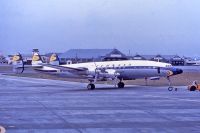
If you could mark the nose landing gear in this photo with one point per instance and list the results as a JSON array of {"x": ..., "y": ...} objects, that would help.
[{"x": 171, "y": 88}]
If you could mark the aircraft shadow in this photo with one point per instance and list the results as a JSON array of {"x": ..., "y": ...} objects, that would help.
[{"x": 104, "y": 89}]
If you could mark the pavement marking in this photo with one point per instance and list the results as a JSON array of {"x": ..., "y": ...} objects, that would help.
[
  {"x": 50, "y": 81},
  {"x": 180, "y": 99},
  {"x": 141, "y": 108},
  {"x": 40, "y": 81},
  {"x": 30, "y": 80}
]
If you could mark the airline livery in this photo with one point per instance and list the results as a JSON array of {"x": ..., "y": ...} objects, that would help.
[{"x": 116, "y": 71}]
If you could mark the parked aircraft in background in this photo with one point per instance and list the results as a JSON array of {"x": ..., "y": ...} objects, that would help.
[{"x": 116, "y": 71}]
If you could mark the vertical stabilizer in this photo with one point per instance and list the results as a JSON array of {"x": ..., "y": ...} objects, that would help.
[
  {"x": 18, "y": 64},
  {"x": 54, "y": 60},
  {"x": 36, "y": 60}
]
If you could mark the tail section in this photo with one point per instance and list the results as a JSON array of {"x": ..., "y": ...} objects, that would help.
[
  {"x": 18, "y": 64},
  {"x": 36, "y": 60},
  {"x": 54, "y": 60}
]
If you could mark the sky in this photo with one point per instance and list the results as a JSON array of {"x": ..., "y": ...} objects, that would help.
[{"x": 138, "y": 26}]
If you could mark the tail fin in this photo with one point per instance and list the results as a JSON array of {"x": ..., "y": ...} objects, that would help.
[
  {"x": 36, "y": 60},
  {"x": 54, "y": 60},
  {"x": 18, "y": 64}
]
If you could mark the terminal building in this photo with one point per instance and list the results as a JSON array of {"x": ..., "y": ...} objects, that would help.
[
  {"x": 173, "y": 59},
  {"x": 177, "y": 61}
]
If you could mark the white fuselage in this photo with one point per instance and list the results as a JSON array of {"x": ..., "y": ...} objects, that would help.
[{"x": 127, "y": 69}]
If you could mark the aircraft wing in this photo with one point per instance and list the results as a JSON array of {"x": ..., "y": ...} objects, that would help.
[
  {"x": 99, "y": 74},
  {"x": 65, "y": 68}
]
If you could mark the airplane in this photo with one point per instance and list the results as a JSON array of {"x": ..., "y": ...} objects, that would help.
[{"x": 117, "y": 71}]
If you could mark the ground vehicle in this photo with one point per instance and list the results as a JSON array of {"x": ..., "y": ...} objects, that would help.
[{"x": 194, "y": 86}]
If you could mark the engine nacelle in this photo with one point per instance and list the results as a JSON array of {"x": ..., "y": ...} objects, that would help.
[
  {"x": 154, "y": 78},
  {"x": 108, "y": 73}
]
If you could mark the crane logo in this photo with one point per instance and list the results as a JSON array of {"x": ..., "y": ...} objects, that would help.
[
  {"x": 53, "y": 57},
  {"x": 170, "y": 73},
  {"x": 16, "y": 58},
  {"x": 36, "y": 58}
]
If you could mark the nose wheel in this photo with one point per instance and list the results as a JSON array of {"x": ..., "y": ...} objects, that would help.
[{"x": 90, "y": 86}]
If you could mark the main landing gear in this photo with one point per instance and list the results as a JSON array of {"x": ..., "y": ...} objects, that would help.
[
  {"x": 90, "y": 86},
  {"x": 120, "y": 84}
]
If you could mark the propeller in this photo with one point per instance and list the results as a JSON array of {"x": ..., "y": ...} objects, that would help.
[
  {"x": 115, "y": 81},
  {"x": 96, "y": 73}
]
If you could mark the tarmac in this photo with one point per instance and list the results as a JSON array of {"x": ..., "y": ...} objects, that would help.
[{"x": 29, "y": 105}]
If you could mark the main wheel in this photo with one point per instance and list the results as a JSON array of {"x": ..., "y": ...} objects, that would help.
[
  {"x": 193, "y": 88},
  {"x": 170, "y": 88},
  {"x": 120, "y": 85},
  {"x": 91, "y": 86}
]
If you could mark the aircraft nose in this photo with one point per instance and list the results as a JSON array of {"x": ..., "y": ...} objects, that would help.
[{"x": 177, "y": 71}]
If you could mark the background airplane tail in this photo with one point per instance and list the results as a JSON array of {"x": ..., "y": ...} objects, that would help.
[
  {"x": 54, "y": 60},
  {"x": 36, "y": 60},
  {"x": 18, "y": 64}
]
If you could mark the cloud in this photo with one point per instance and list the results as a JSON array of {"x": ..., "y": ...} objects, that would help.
[{"x": 153, "y": 26}]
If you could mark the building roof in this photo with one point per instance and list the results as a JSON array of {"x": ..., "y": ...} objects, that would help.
[
  {"x": 139, "y": 57},
  {"x": 115, "y": 53},
  {"x": 176, "y": 57},
  {"x": 149, "y": 57},
  {"x": 85, "y": 53},
  {"x": 49, "y": 54}
]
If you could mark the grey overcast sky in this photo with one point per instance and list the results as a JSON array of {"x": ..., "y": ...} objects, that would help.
[{"x": 141, "y": 26}]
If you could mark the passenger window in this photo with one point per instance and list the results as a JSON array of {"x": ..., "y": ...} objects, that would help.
[{"x": 124, "y": 66}]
